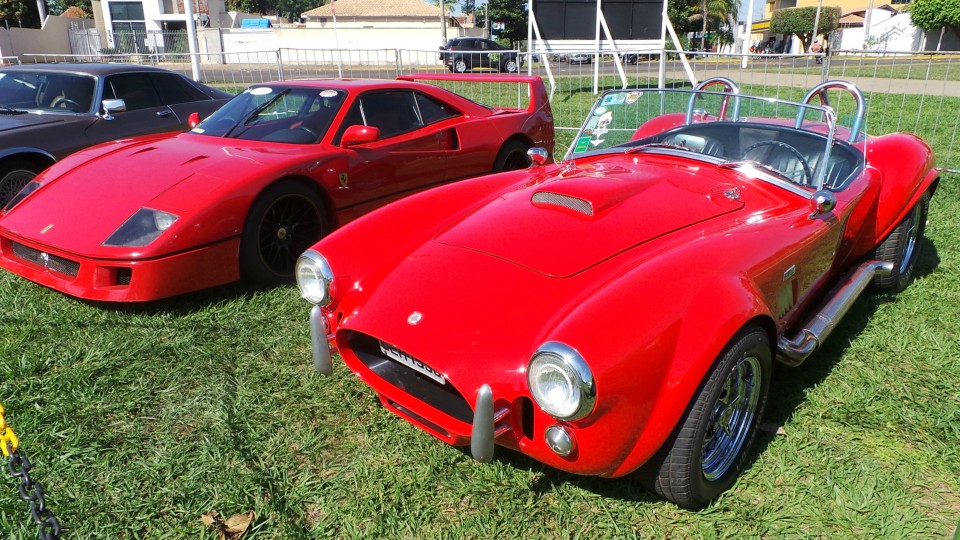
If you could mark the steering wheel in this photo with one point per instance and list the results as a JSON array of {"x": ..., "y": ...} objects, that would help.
[
  {"x": 308, "y": 130},
  {"x": 65, "y": 103},
  {"x": 807, "y": 173}
]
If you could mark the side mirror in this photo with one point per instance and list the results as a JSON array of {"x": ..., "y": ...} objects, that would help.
[
  {"x": 823, "y": 202},
  {"x": 358, "y": 134},
  {"x": 538, "y": 156},
  {"x": 111, "y": 106},
  {"x": 193, "y": 120}
]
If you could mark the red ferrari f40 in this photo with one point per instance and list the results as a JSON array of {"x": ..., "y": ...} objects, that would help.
[{"x": 246, "y": 191}]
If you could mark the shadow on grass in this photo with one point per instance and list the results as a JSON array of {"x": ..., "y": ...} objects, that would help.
[{"x": 189, "y": 303}]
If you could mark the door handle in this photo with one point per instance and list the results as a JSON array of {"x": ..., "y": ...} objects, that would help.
[{"x": 163, "y": 114}]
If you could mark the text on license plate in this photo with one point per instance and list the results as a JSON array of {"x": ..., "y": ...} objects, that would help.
[{"x": 411, "y": 362}]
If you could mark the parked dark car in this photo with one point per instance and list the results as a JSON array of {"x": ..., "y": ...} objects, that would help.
[
  {"x": 462, "y": 54},
  {"x": 633, "y": 58},
  {"x": 48, "y": 111},
  {"x": 580, "y": 58}
]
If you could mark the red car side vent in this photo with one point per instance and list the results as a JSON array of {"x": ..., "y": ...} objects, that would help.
[{"x": 545, "y": 198}]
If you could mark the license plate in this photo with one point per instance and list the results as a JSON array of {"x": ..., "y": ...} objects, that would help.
[{"x": 411, "y": 362}]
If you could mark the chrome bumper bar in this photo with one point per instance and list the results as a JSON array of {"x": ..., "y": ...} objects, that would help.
[{"x": 318, "y": 342}]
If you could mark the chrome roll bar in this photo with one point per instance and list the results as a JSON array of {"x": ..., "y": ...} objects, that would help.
[{"x": 729, "y": 87}]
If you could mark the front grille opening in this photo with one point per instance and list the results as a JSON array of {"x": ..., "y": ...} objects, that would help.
[
  {"x": 526, "y": 417},
  {"x": 419, "y": 418},
  {"x": 122, "y": 276},
  {"x": 46, "y": 260},
  {"x": 443, "y": 397}
]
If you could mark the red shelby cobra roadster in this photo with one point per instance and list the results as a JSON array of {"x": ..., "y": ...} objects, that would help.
[
  {"x": 249, "y": 189},
  {"x": 620, "y": 310}
]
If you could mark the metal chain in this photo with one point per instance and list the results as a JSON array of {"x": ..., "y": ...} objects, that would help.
[{"x": 30, "y": 491}]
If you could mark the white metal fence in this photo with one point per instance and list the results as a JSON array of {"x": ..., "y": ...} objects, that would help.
[{"x": 906, "y": 92}]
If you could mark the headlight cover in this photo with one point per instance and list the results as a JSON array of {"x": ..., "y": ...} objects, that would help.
[
  {"x": 22, "y": 194},
  {"x": 561, "y": 381},
  {"x": 143, "y": 227},
  {"x": 314, "y": 277}
]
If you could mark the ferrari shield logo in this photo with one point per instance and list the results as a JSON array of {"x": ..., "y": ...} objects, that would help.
[{"x": 343, "y": 179}]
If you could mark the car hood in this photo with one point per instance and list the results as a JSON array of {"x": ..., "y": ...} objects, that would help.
[
  {"x": 98, "y": 194},
  {"x": 581, "y": 216},
  {"x": 13, "y": 122}
]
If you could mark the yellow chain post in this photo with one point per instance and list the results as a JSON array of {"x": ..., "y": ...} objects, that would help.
[{"x": 8, "y": 439}]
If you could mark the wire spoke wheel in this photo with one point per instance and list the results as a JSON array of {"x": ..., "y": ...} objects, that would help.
[
  {"x": 912, "y": 237},
  {"x": 731, "y": 418},
  {"x": 708, "y": 450}
]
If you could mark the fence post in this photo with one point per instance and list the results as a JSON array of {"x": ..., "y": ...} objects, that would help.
[
  {"x": 399, "y": 62},
  {"x": 280, "y": 64}
]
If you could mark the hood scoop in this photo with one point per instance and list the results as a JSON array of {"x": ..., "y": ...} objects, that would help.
[
  {"x": 568, "y": 225},
  {"x": 559, "y": 200}
]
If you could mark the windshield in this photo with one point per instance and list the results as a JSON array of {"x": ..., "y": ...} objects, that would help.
[
  {"x": 45, "y": 91},
  {"x": 296, "y": 115},
  {"x": 796, "y": 141}
]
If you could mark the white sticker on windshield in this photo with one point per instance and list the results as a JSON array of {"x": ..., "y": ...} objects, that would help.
[
  {"x": 328, "y": 93},
  {"x": 599, "y": 110},
  {"x": 262, "y": 90}
]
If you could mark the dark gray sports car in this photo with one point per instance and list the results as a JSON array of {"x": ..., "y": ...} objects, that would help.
[{"x": 50, "y": 110}]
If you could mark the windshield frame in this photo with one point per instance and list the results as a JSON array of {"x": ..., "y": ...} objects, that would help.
[
  {"x": 243, "y": 118},
  {"x": 823, "y": 126}
]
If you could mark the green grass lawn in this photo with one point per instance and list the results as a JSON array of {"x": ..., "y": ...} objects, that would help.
[{"x": 140, "y": 419}]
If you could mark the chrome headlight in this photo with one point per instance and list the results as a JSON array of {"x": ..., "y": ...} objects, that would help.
[
  {"x": 314, "y": 277},
  {"x": 561, "y": 381},
  {"x": 142, "y": 228}
]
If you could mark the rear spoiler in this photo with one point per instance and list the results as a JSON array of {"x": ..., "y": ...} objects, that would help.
[{"x": 538, "y": 92}]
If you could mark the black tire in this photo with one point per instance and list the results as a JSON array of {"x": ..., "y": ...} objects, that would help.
[
  {"x": 512, "y": 156},
  {"x": 707, "y": 453},
  {"x": 510, "y": 65},
  {"x": 902, "y": 248},
  {"x": 14, "y": 175},
  {"x": 284, "y": 220},
  {"x": 459, "y": 65}
]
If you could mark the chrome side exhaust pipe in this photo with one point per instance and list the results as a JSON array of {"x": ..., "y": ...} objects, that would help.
[{"x": 793, "y": 352}]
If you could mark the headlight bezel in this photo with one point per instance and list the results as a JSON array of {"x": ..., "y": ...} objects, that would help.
[
  {"x": 559, "y": 358},
  {"x": 313, "y": 266}
]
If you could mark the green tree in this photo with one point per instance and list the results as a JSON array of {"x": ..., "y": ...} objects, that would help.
[
  {"x": 291, "y": 9},
  {"x": 935, "y": 15},
  {"x": 513, "y": 15},
  {"x": 57, "y": 7},
  {"x": 799, "y": 22},
  {"x": 22, "y": 13},
  {"x": 254, "y": 6}
]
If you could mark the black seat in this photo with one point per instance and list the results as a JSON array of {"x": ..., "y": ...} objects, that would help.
[{"x": 697, "y": 143}]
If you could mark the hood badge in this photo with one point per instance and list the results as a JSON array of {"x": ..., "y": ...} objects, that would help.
[
  {"x": 45, "y": 229},
  {"x": 414, "y": 318}
]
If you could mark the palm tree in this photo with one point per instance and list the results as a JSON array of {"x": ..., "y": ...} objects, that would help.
[{"x": 717, "y": 10}]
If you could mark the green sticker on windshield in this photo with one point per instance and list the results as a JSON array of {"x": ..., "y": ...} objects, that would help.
[{"x": 583, "y": 144}]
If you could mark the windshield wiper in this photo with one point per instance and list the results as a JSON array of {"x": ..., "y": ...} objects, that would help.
[{"x": 10, "y": 110}]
